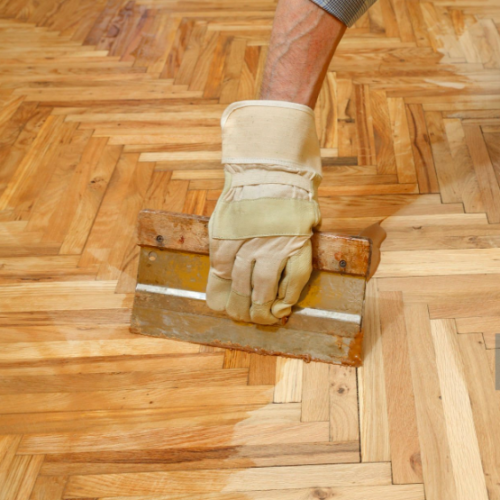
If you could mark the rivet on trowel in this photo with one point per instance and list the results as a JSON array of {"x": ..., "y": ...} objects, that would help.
[
  {"x": 159, "y": 238},
  {"x": 342, "y": 263},
  {"x": 152, "y": 256}
]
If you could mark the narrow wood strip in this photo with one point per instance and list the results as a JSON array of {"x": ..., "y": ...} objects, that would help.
[
  {"x": 446, "y": 286},
  {"x": 123, "y": 381},
  {"x": 289, "y": 373},
  {"x": 466, "y": 306},
  {"x": 262, "y": 370},
  {"x": 25, "y": 169},
  {"x": 9, "y": 444},
  {"x": 402, "y": 492},
  {"x": 383, "y": 138},
  {"x": 61, "y": 220},
  {"x": 368, "y": 189},
  {"x": 374, "y": 424},
  {"x": 403, "y": 434},
  {"x": 130, "y": 420},
  {"x": 21, "y": 477},
  {"x": 14, "y": 299},
  {"x": 100, "y": 238},
  {"x": 41, "y": 169},
  {"x": 422, "y": 153},
  {"x": 491, "y": 343},
  {"x": 344, "y": 421},
  {"x": 135, "y": 398},
  {"x": 244, "y": 480},
  {"x": 123, "y": 234},
  {"x": 190, "y": 437},
  {"x": 29, "y": 351},
  {"x": 439, "y": 263},
  {"x": 65, "y": 168},
  {"x": 90, "y": 200},
  {"x": 450, "y": 182},
  {"x": 48, "y": 487},
  {"x": 487, "y": 181},
  {"x": 464, "y": 449},
  {"x": 475, "y": 324},
  {"x": 315, "y": 393},
  {"x": 485, "y": 407},
  {"x": 64, "y": 317},
  {"x": 402, "y": 141},
  {"x": 436, "y": 464},
  {"x": 366, "y": 142},
  {"x": 232, "y": 71},
  {"x": 471, "y": 193},
  {"x": 199, "y": 459}
]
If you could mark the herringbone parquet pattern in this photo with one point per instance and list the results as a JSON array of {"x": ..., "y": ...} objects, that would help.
[{"x": 111, "y": 106}]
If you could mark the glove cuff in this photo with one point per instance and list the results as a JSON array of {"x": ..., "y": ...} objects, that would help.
[
  {"x": 272, "y": 133},
  {"x": 264, "y": 217}
]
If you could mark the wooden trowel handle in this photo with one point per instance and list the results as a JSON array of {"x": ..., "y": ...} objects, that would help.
[{"x": 189, "y": 233}]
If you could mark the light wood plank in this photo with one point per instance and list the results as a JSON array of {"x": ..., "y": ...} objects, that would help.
[
  {"x": 436, "y": 464},
  {"x": 245, "y": 480},
  {"x": 190, "y": 437},
  {"x": 485, "y": 407},
  {"x": 344, "y": 421},
  {"x": 315, "y": 392},
  {"x": 487, "y": 181},
  {"x": 48, "y": 487},
  {"x": 402, "y": 141},
  {"x": 403, "y": 433},
  {"x": 464, "y": 448},
  {"x": 288, "y": 388},
  {"x": 374, "y": 424}
]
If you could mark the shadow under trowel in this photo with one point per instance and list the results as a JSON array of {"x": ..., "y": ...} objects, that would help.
[{"x": 377, "y": 234}]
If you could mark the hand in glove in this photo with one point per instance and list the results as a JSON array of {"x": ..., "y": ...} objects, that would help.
[{"x": 260, "y": 248}]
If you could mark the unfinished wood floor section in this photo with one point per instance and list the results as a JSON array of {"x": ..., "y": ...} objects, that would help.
[{"x": 111, "y": 106}]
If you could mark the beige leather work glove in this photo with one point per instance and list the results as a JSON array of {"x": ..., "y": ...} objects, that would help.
[{"x": 260, "y": 248}]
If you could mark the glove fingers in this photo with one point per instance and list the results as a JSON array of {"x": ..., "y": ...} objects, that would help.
[
  {"x": 253, "y": 282},
  {"x": 261, "y": 314},
  {"x": 297, "y": 272},
  {"x": 238, "y": 306},
  {"x": 217, "y": 292},
  {"x": 239, "y": 300},
  {"x": 265, "y": 279},
  {"x": 222, "y": 255}
]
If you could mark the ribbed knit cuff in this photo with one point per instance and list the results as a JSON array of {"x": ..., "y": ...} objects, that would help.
[{"x": 347, "y": 11}]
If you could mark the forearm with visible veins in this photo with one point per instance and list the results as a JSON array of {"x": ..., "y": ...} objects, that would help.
[{"x": 303, "y": 41}]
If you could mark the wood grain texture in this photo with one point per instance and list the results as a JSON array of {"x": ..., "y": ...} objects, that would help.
[
  {"x": 467, "y": 468},
  {"x": 485, "y": 407},
  {"x": 315, "y": 393},
  {"x": 372, "y": 393},
  {"x": 405, "y": 447},
  {"x": 110, "y": 107},
  {"x": 344, "y": 421},
  {"x": 437, "y": 468}
]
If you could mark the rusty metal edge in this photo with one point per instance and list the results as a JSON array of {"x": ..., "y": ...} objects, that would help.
[{"x": 346, "y": 361}]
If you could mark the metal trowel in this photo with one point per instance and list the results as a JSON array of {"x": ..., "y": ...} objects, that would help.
[{"x": 326, "y": 325}]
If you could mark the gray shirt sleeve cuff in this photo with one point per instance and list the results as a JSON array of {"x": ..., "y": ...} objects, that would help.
[{"x": 347, "y": 11}]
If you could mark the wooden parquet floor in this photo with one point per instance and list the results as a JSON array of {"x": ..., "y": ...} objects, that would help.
[{"x": 111, "y": 106}]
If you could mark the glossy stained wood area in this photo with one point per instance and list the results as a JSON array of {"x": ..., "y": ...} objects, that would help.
[{"x": 111, "y": 106}]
